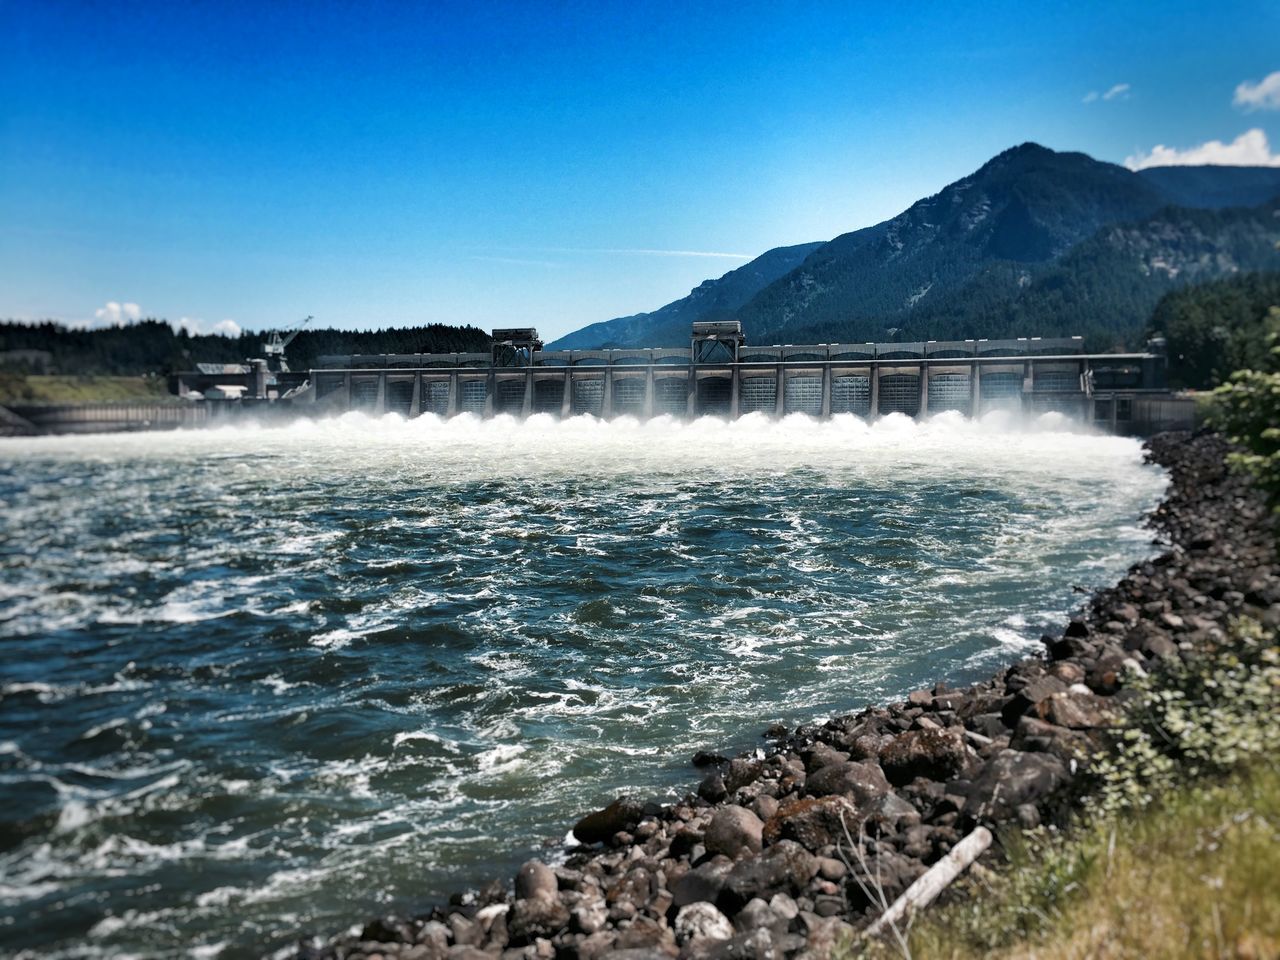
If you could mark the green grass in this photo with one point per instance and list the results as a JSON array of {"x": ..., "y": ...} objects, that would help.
[
  {"x": 1174, "y": 849},
  {"x": 1195, "y": 875},
  {"x": 20, "y": 389}
]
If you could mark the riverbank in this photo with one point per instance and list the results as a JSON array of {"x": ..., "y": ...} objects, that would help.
[
  {"x": 1191, "y": 875},
  {"x": 17, "y": 389},
  {"x": 759, "y": 863}
]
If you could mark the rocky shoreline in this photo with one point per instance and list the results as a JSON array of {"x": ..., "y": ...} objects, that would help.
[{"x": 782, "y": 852}]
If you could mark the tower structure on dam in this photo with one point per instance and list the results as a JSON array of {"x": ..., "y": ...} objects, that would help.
[{"x": 718, "y": 374}]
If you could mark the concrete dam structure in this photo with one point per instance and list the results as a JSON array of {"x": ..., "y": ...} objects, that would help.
[{"x": 719, "y": 375}]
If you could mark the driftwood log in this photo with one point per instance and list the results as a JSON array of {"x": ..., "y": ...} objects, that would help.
[{"x": 934, "y": 880}]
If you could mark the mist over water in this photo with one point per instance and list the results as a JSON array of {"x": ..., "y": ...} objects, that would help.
[{"x": 263, "y": 681}]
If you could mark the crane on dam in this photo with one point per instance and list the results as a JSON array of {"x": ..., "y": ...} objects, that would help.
[{"x": 274, "y": 346}]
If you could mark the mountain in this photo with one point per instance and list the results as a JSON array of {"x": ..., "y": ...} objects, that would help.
[
  {"x": 1105, "y": 287},
  {"x": 1027, "y": 206},
  {"x": 1019, "y": 247},
  {"x": 710, "y": 299},
  {"x": 1215, "y": 187}
]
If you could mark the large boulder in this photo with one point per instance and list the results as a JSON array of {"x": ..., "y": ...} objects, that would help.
[
  {"x": 1076, "y": 710},
  {"x": 890, "y": 813},
  {"x": 734, "y": 831},
  {"x": 785, "y": 867},
  {"x": 703, "y": 882},
  {"x": 821, "y": 755},
  {"x": 599, "y": 827},
  {"x": 1026, "y": 698},
  {"x": 742, "y": 773},
  {"x": 701, "y": 921},
  {"x": 937, "y": 754},
  {"x": 814, "y": 822},
  {"x": 536, "y": 879},
  {"x": 536, "y": 917},
  {"x": 1041, "y": 736},
  {"x": 862, "y": 781},
  {"x": 1012, "y": 778}
]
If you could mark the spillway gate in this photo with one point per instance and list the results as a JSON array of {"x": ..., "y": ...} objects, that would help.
[{"x": 721, "y": 376}]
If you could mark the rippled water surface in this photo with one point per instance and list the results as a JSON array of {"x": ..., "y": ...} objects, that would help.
[{"x": 263, "y": 681}]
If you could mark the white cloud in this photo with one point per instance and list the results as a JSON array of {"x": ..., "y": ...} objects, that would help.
[
  {"x": 116, "y": 314},
  {"x": 1263, "y": 95},
  {"x": 1250, "y": 149},
  {"x": 193, "y": 325},
  {"x": 1118, "y": 92}
]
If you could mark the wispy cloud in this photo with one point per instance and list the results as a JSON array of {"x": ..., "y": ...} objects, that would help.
[
  {"x": 1118, "y": 92},
  {"x": 1250, "y": 149},
  {"x": 1263, "y": 95}
]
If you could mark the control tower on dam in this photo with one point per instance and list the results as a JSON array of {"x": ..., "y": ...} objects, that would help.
[{"x": 717, "y": 374}]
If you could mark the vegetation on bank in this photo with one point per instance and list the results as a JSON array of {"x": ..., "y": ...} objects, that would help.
[
  {"x": 18, "y": 389},
  {"x": 1176, "y": 847},
  {"x": 1191, "y": 876},
  {"x": 1247, "y": 410},
  {"x": 1213, "y": 329}
]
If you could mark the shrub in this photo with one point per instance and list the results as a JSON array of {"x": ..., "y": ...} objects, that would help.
[
  {"x": 1246, "y": 409},
  {"x": 1207, "y": 714}
]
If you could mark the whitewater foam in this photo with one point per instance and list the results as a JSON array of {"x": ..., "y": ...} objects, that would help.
[{"x": 336, "y": 667}]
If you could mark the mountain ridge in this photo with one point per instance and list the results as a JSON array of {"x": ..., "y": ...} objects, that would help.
[
  {"x": 1020, "y": 213},
  {"x": 711, "y": 297}
]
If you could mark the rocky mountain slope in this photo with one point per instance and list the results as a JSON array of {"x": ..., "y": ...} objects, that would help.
[{"x": 1035, "y": 242}]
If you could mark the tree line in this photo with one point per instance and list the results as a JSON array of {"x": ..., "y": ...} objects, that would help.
[
  {"x": 154, "y": 347},
  {"x": 1212, "y": 329}
]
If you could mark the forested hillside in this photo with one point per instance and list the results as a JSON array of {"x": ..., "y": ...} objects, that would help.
[
  {"x": 1214, "y": 329},
  {"x": 152, "y": 346},
  {"x": 1103, "y": 289},
  {"x": 1036, "y": 243}
]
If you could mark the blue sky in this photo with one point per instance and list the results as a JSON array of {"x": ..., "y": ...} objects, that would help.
[{"x": 381, "y": 164}]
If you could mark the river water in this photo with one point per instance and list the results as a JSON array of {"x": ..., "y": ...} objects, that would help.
[{"x": 261, "y": 681}]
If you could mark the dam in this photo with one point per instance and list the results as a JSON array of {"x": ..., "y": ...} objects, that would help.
[{"x": 718, "y": 374}]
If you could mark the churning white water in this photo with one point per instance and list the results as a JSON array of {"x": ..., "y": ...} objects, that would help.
[{"x": 259, "y": 681}]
